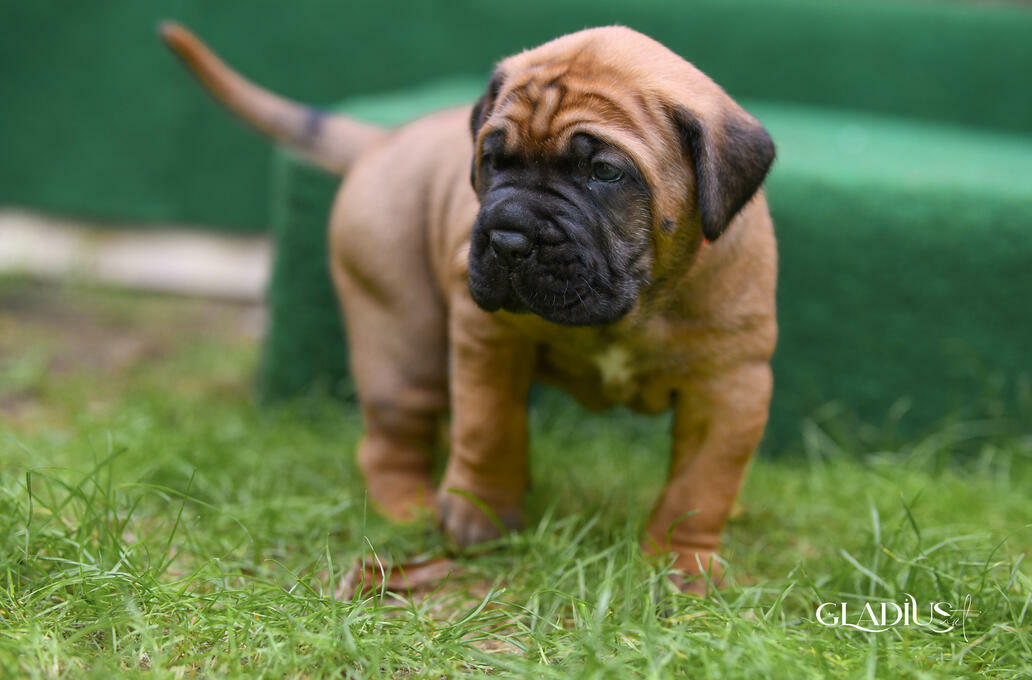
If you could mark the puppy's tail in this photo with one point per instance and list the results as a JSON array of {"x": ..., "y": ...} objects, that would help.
[{"x": 330, "y": 141}]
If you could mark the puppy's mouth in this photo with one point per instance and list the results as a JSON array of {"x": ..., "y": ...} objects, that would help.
[{"x": 554, "y": 282}]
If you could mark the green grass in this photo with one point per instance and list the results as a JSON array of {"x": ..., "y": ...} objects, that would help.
[{"x": 154, "y": 521}]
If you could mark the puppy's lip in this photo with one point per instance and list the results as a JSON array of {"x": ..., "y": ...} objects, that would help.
[
  {"x": 487, "y": 297},
  {"x": 486, "y": 303},
  {"x": 526, "y": 299}
]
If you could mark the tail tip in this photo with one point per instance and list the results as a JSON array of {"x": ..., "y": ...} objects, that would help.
[{"x": 171, "y": 31}]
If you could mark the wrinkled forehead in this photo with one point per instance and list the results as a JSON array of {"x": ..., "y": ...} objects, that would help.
[{"x": 541, "y": 106}]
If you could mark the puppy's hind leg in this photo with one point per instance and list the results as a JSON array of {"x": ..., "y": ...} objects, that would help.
[{"x": 398, "y": 359}]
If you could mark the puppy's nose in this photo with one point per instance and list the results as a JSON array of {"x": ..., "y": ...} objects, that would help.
[{"x": 510, "y": 245}]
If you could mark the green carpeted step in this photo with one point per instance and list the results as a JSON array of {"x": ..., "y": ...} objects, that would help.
[
  {"x": 854, "y": 147},
  {"x": 905, "y": 251}
]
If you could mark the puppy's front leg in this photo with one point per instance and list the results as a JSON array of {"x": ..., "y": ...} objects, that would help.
[
  {"x": 718, "y": 423},
  {"x": 489, "y": 374}
]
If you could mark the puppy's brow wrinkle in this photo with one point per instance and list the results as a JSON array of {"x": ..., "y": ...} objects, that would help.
[{"x": 546, "y": 107}]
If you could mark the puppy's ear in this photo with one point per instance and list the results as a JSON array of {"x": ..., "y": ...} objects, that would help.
[
  {"x": 482, "y": 107},
  {"x": 481, "y": 112},
  {"x": 731, "y": 156}
]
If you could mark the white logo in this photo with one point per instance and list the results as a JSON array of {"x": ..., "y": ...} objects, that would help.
[{"x": 937, "y": 617}]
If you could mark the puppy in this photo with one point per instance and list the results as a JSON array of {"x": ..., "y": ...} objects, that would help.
[{"x": 595, "y": 221}]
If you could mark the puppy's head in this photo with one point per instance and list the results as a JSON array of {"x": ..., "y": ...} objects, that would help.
[{"x": 600, "y": 158}]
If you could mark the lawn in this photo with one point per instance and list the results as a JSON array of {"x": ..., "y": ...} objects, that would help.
[{"x": 154, "y": 520}]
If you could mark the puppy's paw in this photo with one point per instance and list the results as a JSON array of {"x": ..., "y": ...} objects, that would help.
[
  {"x": 469, "y": 520},
  {"x": 695, "y": 570},
  {"x": 694, "y": 582},
  {"x": 401, "y": 497}
]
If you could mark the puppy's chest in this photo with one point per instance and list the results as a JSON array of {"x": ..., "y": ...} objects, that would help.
[{"x": 605, "y": 374}]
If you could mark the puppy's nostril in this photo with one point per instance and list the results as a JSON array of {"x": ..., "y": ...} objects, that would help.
[{"x": 510, "y": 245}]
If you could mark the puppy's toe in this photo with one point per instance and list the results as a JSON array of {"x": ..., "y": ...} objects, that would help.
[{"x": 469, "y": 522}]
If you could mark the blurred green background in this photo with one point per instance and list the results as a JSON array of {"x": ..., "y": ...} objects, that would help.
[
  {"x": 902, "y": 194},
  {"x": 97, "y": 119}
]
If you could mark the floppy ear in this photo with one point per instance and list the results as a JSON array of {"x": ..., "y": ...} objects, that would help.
[
  {"x": 731, "y": 156},
  {"x": 481, "y": 111},
  {"x": 482, "y": 107}
]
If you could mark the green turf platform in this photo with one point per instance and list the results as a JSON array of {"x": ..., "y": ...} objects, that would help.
[{"x": 906, "y": 262}]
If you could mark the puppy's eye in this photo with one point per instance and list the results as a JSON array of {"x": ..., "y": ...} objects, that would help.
[
  {"x": 489, "y": 160},
  {"x": 604, "y": 172}
]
